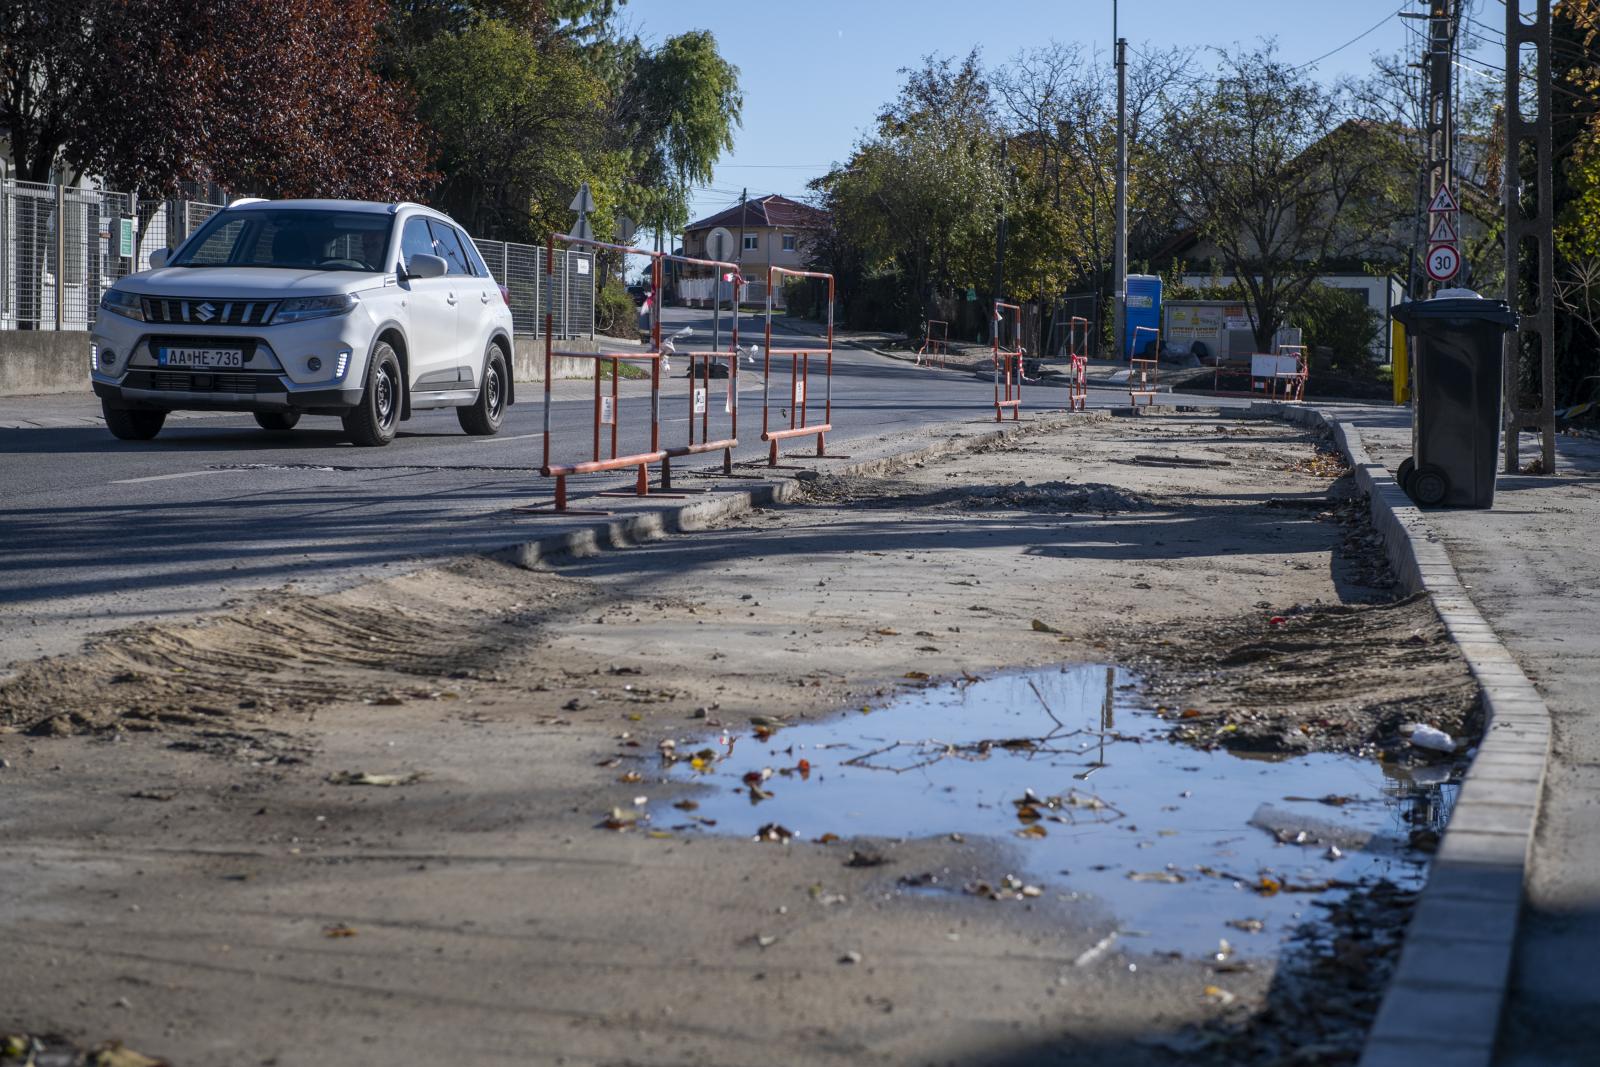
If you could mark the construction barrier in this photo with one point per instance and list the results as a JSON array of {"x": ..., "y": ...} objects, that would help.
[
  {"x": 1008, "y": 363},
  {"x": 702, "y": 371},
  {"x": 934, "y": 343},
  {"x": 798, "y": 408},
  {"x": 1143, "y": 373},
  {"x": 1077, "y": 364},
  {"x": 1281, "y": 376},
  {"x": 607, "y": 409}
]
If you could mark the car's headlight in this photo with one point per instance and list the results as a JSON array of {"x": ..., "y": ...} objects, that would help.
[
  {"x": 302, "y": 308},
  {"x": 120, "y": 303}
]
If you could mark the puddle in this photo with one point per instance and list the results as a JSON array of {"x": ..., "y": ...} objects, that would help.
[{"x": 1178, "y": 845}]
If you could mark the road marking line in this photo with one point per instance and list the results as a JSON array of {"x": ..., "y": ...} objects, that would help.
[
  {"x": 167, "y": 477},
  {"x": 517, "y": 437}
]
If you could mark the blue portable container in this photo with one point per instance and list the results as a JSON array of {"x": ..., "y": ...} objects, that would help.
[{"x": 1143, "y": 309}]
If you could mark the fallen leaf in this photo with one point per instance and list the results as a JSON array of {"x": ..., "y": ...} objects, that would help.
[
  {"x": 119, "y": 1055},
  {"x": 367, "y": 778},
  {"x": 687, "y": 805},
  {"x": 1042, "y": 627},
  {"x": 886, "y": 632},
  {"x": 774, "y": 832},
  {"x": 1033, "y": 831},
  {"x": 827, "y": 839},
  {"x": 658, "y": 834},
  {"x": 1168, "y": 877},
  {"x": 631, "y": 777},
  {"x": 620, "y": 819},
  {"x": 916, "y": 676},
  {"x": 338, "y": 930}
]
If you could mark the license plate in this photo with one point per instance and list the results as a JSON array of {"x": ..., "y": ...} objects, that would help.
[{"x": 200, "y": 357}]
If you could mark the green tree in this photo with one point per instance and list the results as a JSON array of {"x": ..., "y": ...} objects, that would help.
[
  {"x": 918, "y": 198},
  {"x": 517, "y": 128},
  {"x": 675, "y": 115}
]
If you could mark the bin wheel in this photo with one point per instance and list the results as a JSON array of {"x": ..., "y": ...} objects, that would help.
[
  {"x": 1429, "y": 486},
  {"x": 1403, "y": 473}
]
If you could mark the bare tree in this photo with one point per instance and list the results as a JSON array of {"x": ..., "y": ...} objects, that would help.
[{"x": 1286, "y": 178}]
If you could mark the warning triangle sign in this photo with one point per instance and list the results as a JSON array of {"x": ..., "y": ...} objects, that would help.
[
  {"x": 1444, "y": 231},
  {"x": 1443, "y": 201}
]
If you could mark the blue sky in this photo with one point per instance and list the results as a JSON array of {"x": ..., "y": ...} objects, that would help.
[{"x": 815, "y": 72}]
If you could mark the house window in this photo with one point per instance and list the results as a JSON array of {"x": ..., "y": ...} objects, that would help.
[
  {"x": 788, "y": 242},
  {"x": 752, "y": 242}
]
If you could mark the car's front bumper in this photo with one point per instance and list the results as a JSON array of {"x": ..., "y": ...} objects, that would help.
[{"x": 192, "y": 391}]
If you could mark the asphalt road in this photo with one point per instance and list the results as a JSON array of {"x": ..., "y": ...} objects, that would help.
[{"x": 97, "y": 533}]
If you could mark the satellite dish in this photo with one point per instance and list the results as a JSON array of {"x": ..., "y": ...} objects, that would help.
[{"x": 719, "y": 243}]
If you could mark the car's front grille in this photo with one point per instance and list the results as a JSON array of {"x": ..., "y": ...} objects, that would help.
[
  {"x": 197, "y": 312},
  {"x": 201, "y": 382}
]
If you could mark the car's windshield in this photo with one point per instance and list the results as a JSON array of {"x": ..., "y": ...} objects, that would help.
[{"x": 296, "y": 238}]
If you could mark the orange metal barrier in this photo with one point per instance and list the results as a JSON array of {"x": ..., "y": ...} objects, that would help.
[
  {"x": 701, "y": 366},
  {"x": 1143, "y": 373},
  {"x": 607, "y": 408},
  {"x": 934, "y": 345},
  {"x": 1282, "y": 376},
  {"x": 1008, "y": 364},
  {"x": 799, "y": 377},
  {"x": 1077, "y": 365}
]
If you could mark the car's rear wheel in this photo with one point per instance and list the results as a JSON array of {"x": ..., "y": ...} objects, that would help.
[
  {"x": 483, "y": 416},
  {"x": 126, "y": 424},
  {"x": 277, "y": 420},
  {"x": 373, "y": 421}
]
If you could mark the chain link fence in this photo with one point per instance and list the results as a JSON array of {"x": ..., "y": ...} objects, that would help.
[{"x": 61, "y": 247}]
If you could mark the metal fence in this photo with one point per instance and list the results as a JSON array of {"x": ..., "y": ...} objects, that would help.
[
  {"x": 61, "y": 247},
  {"x": 520, "y": 268}
]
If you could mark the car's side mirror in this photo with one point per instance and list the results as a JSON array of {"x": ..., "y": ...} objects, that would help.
[
  {"x": 423, "y": 265},
  {"x": 158, "y": 258}
]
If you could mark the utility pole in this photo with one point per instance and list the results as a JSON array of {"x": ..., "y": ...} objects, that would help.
[
  {"x": 1119, "y": 265},
  {"x": 744, "y": 195},
  {"x": 1439, "y": 72},
  {"x": 1530, "y": 223},
  {"x": 1000, "y": 234}
]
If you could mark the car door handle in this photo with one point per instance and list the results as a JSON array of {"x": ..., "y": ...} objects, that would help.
[
  {"x": 483, "y": 299},
  {"x": 451, "y": 300}
]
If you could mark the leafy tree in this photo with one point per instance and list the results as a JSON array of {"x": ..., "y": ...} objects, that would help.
[
  {"x": 45, "y": 56},
  {"x": 675, "y": 116},
  {"x": 918, "y": 197},
  {"x": 1285, "y": 178},
  {"x": 517, "y": 129}
]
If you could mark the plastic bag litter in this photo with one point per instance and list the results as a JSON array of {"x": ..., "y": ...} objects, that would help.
[{"x": 1431, "y": 737}]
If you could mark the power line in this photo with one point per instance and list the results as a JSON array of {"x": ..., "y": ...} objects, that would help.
[{"x": 1374, "y": 28}]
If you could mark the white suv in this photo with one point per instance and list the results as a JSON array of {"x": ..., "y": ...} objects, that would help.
[{"x": 286, "y": 308}]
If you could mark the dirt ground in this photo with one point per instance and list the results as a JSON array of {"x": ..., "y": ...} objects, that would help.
[{"x": 400, "y": 823}]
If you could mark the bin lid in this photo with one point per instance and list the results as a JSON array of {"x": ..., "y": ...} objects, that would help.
[{"x": 1497, "y": 312}]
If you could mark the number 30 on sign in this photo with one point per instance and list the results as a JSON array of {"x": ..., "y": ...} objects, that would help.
[{"x": 1443, "y": 262}]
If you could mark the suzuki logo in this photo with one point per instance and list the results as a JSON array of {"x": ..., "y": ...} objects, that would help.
[{"x": 205, "y": 311}]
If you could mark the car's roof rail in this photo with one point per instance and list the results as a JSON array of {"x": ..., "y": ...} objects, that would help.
[{"x": 243, "y": 200}]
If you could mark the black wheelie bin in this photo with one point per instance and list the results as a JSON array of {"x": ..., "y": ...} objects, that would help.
[{"x": 1455, "y": 429}]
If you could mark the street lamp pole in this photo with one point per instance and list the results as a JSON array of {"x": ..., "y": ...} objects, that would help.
[{"x": 1119, "y": 266}]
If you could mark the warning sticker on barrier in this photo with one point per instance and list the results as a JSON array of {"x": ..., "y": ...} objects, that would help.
[
  {"x": 800, "y": 392},
  {"x": 608, "y": 411},
  {"x": 699, "y": 401}
]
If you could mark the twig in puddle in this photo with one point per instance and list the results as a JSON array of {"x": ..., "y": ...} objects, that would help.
[{"x": 1045, "y": 704}]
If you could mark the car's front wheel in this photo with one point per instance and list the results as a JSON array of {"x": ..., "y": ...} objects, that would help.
[
  {"x": 372, "y": 422},
  {"x": 277, "y": 420},
  {"x": 130, "y": 425},
  {"x": 483, "y": 416}
]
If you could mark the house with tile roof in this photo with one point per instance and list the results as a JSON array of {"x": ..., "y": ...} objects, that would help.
[{"x": 770, "y": 230}]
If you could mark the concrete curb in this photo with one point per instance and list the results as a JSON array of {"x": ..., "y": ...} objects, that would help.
[
  {"x": 1444, "y": 1003},
  {"x": 685, "y": 518}
]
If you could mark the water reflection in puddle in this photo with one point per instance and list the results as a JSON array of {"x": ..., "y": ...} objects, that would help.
[{"x": 1177, "y": 843}]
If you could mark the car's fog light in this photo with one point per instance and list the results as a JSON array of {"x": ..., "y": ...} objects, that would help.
[
  {"x": 314, "y": 364},
  {"x": 108, "y": 358},
  {"x": 94, "y": 357}
]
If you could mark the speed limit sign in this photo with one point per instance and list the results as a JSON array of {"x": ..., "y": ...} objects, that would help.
[{"x": 1443, "y": 262}]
